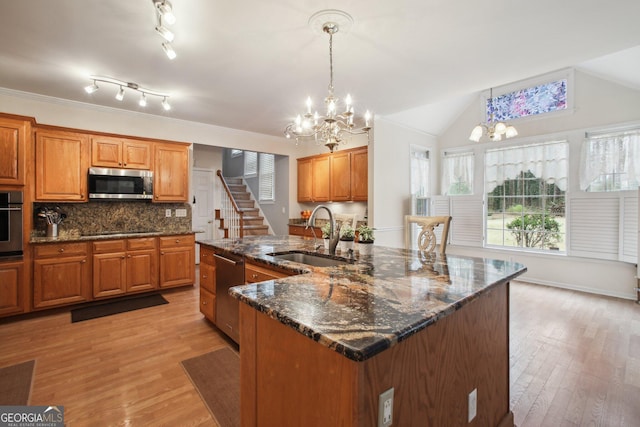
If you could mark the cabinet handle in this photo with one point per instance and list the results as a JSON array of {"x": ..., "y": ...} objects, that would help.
[
  {"x": 255, "y": 276},
  {"x": 119, "y": 163},
  {"x": 204, "y": 276},
  {"x": 177, "y": 240},
  {"x": 122, "y": 257},
  {"x": 128, "y": 256},
  {"x": 61, "y": 250},
  {"x": 204, "y": 303},
  {"x": 125, "y": 164},
  {"x": 161, "y": 253},
  {"x": 83, "y": 261}
]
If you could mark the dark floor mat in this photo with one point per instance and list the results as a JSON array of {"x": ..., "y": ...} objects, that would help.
[{"x": 115, "y": 307}]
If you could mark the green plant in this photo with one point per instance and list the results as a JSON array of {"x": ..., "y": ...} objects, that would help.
[
  {"x": 365, "y": 234},
  {"x": 326, "y": 230},
  {"x": 535, "y": 230},
  {"x": 347, "y": 233}
]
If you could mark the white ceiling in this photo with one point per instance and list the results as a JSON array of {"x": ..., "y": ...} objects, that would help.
[{"x": 251, "y": 64}]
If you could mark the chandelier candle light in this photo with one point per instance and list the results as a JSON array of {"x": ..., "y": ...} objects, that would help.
[
  {"x": 494, "y": 129},
  {"x": 129, "y": 85},
  {"x": 332, "y": 128}
]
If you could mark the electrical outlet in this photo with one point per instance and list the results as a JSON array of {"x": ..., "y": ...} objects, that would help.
[
  {"x": 181, "y": 213},
  {"x": 385, "y": 408},
  {"x": 167, "y": 213},
  {"x": 473, "y": 404}
]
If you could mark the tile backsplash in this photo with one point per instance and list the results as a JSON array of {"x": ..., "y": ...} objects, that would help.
[{"x": 102, "y": 217}]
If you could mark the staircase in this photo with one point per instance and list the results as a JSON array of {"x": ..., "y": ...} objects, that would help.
[{"x": 251, "y": 223}]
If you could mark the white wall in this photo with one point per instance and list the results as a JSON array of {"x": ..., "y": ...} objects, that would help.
[
  {"x": 598, "y": 104},
  {"x": 390, "y": 178}
]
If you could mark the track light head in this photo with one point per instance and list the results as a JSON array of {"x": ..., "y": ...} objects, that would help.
[
  {"x": 120, "y": 94},
  {"x": 91, "y": 88},
  {"x": 166, "y": 105},
  {"x": 165, "y": 33},
  {"x": 166, "y": 11},
  {"x": 143, "y": 100},
  {"x": 168, "y": 49}
]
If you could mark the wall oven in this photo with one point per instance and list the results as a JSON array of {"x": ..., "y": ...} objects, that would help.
[
  {"x": 11, "y": 224},
  {"x": 123, "y": 184}
]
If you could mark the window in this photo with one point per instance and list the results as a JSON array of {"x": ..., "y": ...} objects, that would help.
[
  {"x": 250, "y": 163},
  {"x": 457, "y": 174},
  {"x": 525, "y": 194},
  {"x": 267, "y": 177},
  {"x": 235, "y": 152},
  {"x": 420, "y": 181},
  {"x": 611, "y": 162},
  {"x": 530, "y": 101}
]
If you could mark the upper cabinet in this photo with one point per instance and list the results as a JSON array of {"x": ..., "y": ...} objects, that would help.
[
  {"x": 62, "y": 161},
  {"x": 171, "y": 172},
  {"x": 14, "y": 135},
  {"x": 111, "y": 152},
  {"x": 335, "y": 177}
]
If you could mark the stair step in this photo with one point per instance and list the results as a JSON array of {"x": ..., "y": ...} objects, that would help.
[
  {"x": 233, "y": 181},
  {"x": 241, "y": 196},
  {"x": 253, "y": 220},
  {"x": 255, "y": 230},
  {"x": 245, "y": 203},
  {"x": 237, "y": 188}
]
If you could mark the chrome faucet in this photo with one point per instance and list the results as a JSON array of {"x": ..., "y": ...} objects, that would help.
[{"x": 334, "y": 234}]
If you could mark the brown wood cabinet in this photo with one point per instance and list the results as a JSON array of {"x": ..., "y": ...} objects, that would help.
[
  {"x": 337, "y": 177},
  {"x": 171, "y": 172},
  {"x": 124, "y": 266},
  {"x": 15, "y": 134},
  {"x": 207, "y": 283},
  {"x": 61, "y": 274},
  {"x": 112, "y": 152},
  {"x": 254, "y": 273},
  {"x": 11, "y": 288},
  {"x": 62, "y": 161},
  {"x": 302, "y": 230},
  {"x": 177, "y": 260}
]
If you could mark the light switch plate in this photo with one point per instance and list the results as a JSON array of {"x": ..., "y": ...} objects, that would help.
[
  {"x": 385, "y": 408},
  {"x": 167, "y": 213}
]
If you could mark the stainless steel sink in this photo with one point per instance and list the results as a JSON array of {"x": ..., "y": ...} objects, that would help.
[{"x": 310, "y": 258}]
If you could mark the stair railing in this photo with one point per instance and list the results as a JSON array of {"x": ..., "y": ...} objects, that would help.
[{"x": 230, "y": 212}]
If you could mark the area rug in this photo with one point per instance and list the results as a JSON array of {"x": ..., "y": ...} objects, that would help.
[
  {"x": 115, "y": 307},
  {"x": 15, "y": 383},
  {"x": 216, "y": 376}
]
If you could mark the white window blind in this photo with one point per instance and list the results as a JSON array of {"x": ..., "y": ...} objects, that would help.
[
  {"x": 419, "y": 172},
  {"x": 267, "y": 177},
  {"x": 467, "y": 221},
  {"x": 628, "y": 251},
  {"x": 250, "y": 163},
  {"x": 594, "y": 227}
]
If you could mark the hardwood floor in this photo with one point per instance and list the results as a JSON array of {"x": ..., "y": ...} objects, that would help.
[{"x": 575, "y": 360}]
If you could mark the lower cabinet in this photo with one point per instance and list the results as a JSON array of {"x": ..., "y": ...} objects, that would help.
[
  {"x": 254, "y": 273},
  {"x": 61, "y": 274},
  {"x": 11, "y": 288},
  {"x": 207, "y": 283},
  {"x": 124, "y": 266},
  {"x": 177, "y": 260}
]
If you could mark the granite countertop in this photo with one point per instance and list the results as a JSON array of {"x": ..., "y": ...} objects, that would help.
[
  {"x": 361, "y": 309},
  {"x": 77, "y": 237}
]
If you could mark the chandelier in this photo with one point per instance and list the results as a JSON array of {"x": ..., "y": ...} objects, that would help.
[
  {"x": 128, "y": 85},
  {"x": 493, "y": 129},
  {"x": 332, "y": 128}
]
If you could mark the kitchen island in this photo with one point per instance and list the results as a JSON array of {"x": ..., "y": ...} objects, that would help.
[{"x": 320, "y": 347}]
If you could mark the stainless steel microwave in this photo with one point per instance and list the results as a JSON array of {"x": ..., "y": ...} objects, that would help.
[{"x": 122, "y": 184}]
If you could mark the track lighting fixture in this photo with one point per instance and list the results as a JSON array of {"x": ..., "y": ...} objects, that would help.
[
  {"x": 91, "y": 88},
  {"x": 164, "y": 14},
  {"x": 168, "y": 49},
  {"x": 129, "y": 85}
]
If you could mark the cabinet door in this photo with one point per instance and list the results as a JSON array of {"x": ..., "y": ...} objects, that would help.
[
  {"x": 109, "y": 274},
  {"x": 142, "y": 270},
  {"x": 208, "y": 305},
  {"x": 177, "y": 266},
  {"x": 305, "y": 181},
  {"x": 136, "y": 154},
  {"x": 106, "y": 152},
  {"x": 208, "y": 277},
  {"x": 62, "y": 160},
  {"x": 60, "y": 281},
  {"x": 321, "y": 169},
  {"x": 340, "y": 176},
  {"x": 359, "y": 175},
  {"x": 11, "y": 288},
  {"x": 14, "y": 135},
  {"x": 171, "y": 173}
]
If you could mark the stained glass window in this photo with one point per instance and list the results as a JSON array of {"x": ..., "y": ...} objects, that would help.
[{"x": 530, "y": 101}]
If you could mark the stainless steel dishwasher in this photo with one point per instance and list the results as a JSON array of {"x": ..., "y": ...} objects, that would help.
[{"x": 229, "y": 273}]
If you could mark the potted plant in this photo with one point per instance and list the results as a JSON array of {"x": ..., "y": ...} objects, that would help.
[
  {"x": 365, "y": 239},
  {"x": 347, "y": 233},
  {"x": 326, "y": 230}
]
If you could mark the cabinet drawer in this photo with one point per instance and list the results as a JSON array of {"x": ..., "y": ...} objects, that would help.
[
  {"x": 208, "y": 277},
  {"x": 208, "y": 304},
  {"x": 177, "y": 241},
  {"x": 206, "y": 255},
  {"x": 109, "y": 246},
  {"x": 254, "y": 273},
  {"x": 41, "y": 251},
  {"x": 141, "y": 243}
]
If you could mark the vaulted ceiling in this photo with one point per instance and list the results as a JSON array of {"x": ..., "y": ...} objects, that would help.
[{"x": 251, "y": 64}]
